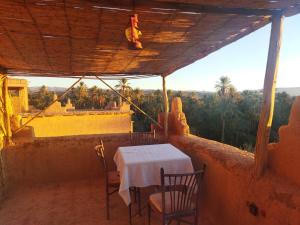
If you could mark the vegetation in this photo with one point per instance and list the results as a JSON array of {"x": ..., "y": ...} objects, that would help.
[
  {"x": 42, "y": 98},
  {"x": 227, "y": 116},
  {"x": 124, "y": 88}
]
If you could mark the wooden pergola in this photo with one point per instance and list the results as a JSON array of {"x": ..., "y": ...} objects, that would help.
[{"x": 74, "y": 38}]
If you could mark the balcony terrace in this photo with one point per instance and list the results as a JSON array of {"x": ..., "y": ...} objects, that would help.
[{"x": 58, "y": 180}]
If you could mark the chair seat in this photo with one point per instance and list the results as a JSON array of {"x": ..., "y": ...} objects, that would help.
[
  {"x": 155, "y": 201},
  {"x": 113, "y": 178}
]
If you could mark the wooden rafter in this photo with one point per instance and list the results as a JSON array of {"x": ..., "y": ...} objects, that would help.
[
  {"x": 40, "y": 34},
  {"x": 248, "y": 7},
  {"x": 128, "y": 101},
  {"x": 199, "y": 55},
  {"x": 98, "y": 37},
  {"x": 38, "y": 73},
  {"x": 70, "y": 36},
  {"x": 7, "y": 34},
  {"x": 202, "y": 8},
  {"x": 215, "y": 47},
  {"x": 54, "y": 101},
  {"x": 114, "y": 56},
  {"x": 189, "y": 29}
]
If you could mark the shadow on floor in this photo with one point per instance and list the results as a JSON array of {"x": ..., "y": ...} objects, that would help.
[{"x": 76, "y": 203}]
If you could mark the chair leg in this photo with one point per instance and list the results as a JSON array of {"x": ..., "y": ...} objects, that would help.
[
  {"x": 196, "y": 219},
  {"x": 107, "y": 205},
  {"x": 149, "y": 214},
  {"x": 129, "y": 213},
  {"x": 135, "y": 193},
  {"x": 139, "y": 200},
  {"x": 164, "y": 221}
]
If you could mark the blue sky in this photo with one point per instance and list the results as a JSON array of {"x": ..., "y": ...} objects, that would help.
[{"x": 243, "y": 61}]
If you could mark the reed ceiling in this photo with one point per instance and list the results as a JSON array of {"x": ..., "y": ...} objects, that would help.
[{"x": 76, "y": 37}]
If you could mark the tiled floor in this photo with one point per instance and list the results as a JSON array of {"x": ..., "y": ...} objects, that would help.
[{"x": 77, "y": 203}]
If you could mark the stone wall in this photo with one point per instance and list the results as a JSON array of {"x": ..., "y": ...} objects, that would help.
[
  {"x": 230, "y": 193},
  {"x": 80, "y": 123},
  {"x": 54, "y": 160}
]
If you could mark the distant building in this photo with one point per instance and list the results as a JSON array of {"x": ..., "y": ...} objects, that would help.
[
  {"x": 18, "y": 90},
  {"x": 58, "y": 120}
]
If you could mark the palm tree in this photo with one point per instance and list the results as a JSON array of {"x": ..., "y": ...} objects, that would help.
[
  {"x": 94, "y": 96},
  {"x": 82, "y": 96},
  {"x": 82, "y": 90},
  {"x": 224, "y": 86},
  {"x": 94, "y": 92},
  {"x": 101, "y": 100},
  {"x": 137, "y": 95},
  {"x": 43, "y": 90},
  {"x": 124, "y": 87},
  {"x": 42, "y": 98},
  {"x": 226, "y": 91}
]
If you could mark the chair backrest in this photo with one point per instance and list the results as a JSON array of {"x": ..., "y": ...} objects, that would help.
[
  {"x": 144, "y": 138},
  {"x": 182, "y": 190},
  {"x": 101, "y": 154}
]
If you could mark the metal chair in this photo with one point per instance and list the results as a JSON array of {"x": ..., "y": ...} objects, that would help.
[
  {"x": 112, "y": 178},
  {"x": 178, "y": 198}
]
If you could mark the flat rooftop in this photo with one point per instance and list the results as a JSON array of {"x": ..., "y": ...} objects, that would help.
[{"x": 76, "y": 202}]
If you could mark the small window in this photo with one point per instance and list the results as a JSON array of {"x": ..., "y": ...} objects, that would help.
[{"x": 13, "y": 92}]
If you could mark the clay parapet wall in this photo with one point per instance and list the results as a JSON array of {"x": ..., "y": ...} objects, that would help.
[
  {"x": 230, "y": 191},
  {"x": 284, "y": 156},
  {"x": 79, "y": 123},
  {"x": 59, "y": 159},
  {"x": 229, "y": 188}
]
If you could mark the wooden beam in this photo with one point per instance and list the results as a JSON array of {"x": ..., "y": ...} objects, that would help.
[
  {"x": 55, "y": 100},
  {"x": 40, "y": 34},
  {"x": 266, "y": 116},
  {"x": 88, "y": 77},
  {"x": 43, "y": 73},
  {"x": 166, "y": 108},
  {"x": 129, "y": 101},
  {"x": 225, "y": 10},
  {"x": 152, "y": 5},
  {"x": 156, "y": 5},
  {"x": 3, "y": 70},
  {"x": 200, "y": 55},
  {"x": 70, "y": 42}
]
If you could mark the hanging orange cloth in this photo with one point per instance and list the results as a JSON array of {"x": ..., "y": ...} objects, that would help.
[{"x": 133, "y": 33}]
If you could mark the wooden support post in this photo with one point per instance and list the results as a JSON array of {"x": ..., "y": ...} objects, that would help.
[
  {"x": 266, "y": 116},
  {"x": 7, "y": 140},
  {"x": 166, "y": 107}
]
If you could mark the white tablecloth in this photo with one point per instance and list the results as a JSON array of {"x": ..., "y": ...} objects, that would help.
[{"x": 139, "y": 166}]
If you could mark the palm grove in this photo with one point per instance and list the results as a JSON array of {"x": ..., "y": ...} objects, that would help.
[{"x": 227, "y": 116}]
